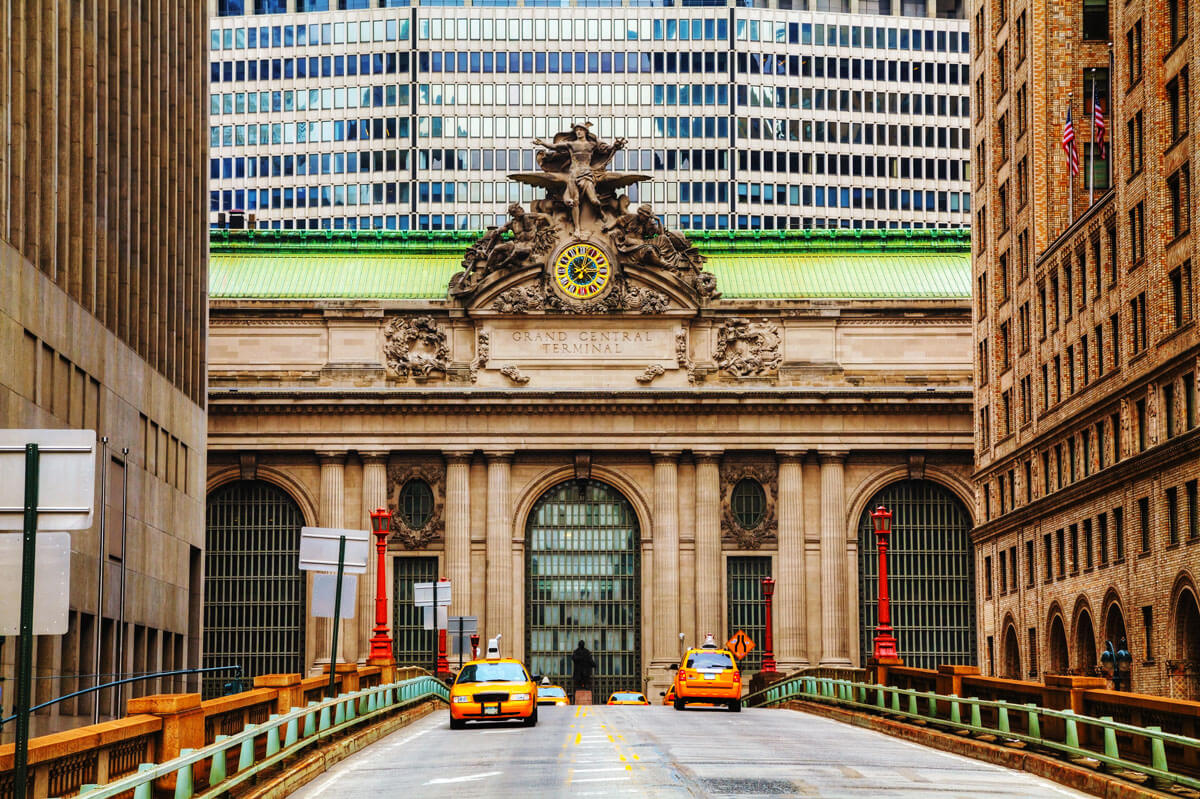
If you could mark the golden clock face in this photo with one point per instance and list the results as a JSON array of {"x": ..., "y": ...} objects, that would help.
[{"x": 582, "y": 271}]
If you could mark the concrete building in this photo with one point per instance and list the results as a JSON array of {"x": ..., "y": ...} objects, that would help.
[
  {"x": 348, "y": 115},
  {"x": 1086, "y": 345},
  {"x": 621, "y": 476},
  {"x": 103, "y": 245}
]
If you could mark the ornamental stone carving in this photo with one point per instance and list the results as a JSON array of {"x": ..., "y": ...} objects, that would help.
[
  {"x": 733, "y": 528},
  {"x": 483, "y": 351},
  {"x": 582, "y": 239},
  {"x": 682, "y": 357},
  {"x": 653, "y": 371},
  {"x": 748, "y": 349},
  {"x": 415, "y": 346},
  {"x": 402, "y": 529},
  {"x": 513, "y": 373}
]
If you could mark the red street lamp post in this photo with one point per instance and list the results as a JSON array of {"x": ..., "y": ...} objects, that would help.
[
  {"x": 381, "y": 642},
  {"x": 768, "y": 589},
  {"x": 885, "y": 642}
]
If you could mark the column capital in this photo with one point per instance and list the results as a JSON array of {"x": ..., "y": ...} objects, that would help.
[
  {"x": 707, "y": 456},
  {"x": 373, "y": 456},
  {"x": 457, "y": 456},
  {"x": 331, "y": 457},
  {"x": 789, "y": 455},
  {"x": 666, "y": 455},
  {"x": 498, "y": 455},
  {"x": 832, "y": 455}
]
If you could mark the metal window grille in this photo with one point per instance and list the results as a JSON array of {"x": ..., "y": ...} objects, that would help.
[
  {"x": 930, "y": 575},
  {"x": 253, "y": 588},
  {"x": 411, "y": 642},
  {"x": 416, "y": 504},
  {"x": 583, "y": 583},
  {"x": 747, "y": 610},
  {"x": 749, "y": 503}
]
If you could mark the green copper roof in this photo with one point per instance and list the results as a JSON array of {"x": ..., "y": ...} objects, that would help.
[{"x": 869, "y": 264}]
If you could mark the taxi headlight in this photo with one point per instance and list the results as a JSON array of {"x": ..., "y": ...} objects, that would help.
[
  {"x": 461, "y": 699},
  {"x": 519, "y": 697}
]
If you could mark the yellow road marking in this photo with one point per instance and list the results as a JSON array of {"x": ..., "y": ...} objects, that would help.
[{"x": 623, "y": 759}]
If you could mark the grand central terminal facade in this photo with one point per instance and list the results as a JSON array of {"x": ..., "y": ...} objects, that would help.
[{"x": 596, "y": 429}]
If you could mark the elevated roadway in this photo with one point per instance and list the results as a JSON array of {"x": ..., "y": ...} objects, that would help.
[{"x": 659, "y": 752}]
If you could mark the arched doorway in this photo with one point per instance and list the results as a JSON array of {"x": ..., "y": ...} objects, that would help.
[
  {"x": 253, "y": 587},
  {"x": 1184, "y": 668},
  {"x": 583, "y": 570},
  {"x": 1059, "y": 664},
  {"x": 930, "y": 575},
  {"x": 1085, "y": 644},
  {"x": 1012, "y": 654}
]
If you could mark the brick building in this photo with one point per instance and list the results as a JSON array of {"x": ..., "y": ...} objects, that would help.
[{"x": 1086, "y": 344}]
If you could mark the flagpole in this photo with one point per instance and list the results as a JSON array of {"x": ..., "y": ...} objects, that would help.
[
  {"x": 1112, "y": 134},
  {"x": 1070, "y": 179},
  {"x": 1092, "y": 149}
]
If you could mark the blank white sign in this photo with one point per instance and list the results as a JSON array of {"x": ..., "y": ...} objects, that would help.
[
  {"x": 319, "y": 549},
  {"x": 325, "y": 588},
  {"x": 66, "y": 478},
  {"x": 51, "y": 583}
]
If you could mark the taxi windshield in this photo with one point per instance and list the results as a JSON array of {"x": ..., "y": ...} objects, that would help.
[
  {"x": 629, "y": 697},
  {"x": 709, "y": 660},
  {"x": 492, "y": 672},
  {"x": 553, "y": 690}
]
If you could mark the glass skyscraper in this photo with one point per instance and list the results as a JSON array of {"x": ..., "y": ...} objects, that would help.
[{"x": 336, "y": 114}]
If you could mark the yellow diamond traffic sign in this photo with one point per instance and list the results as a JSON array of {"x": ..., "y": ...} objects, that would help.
[{"x": 740, "y": 644}]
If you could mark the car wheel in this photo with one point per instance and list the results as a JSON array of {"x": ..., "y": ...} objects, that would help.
[
  {"x": 457, "y": 724},
  {"x": 679, "y": 704},
  {"x": 531, "y": 721},
  {"x": 736, "y": 706}
]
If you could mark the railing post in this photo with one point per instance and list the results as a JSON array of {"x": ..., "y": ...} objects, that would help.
[
  {"x": 246, "y": 755},
  {"x": 182, "y": 726},
  {"x": 976, "y": 717},
  {"x": 293, "y": 732},
  {"x": 183, "y": 779},
  {"x": 288, "y": 691},
  {"x": 1158, "y": 754},
  {"x": 216, "y": 771},
  {"x": 912, "y": 702},
  {"x": 339, "y": 712},
  {"x": 955, "y": 713},
  {"x": 1033, "y": 724},
  {"x": 1110, "y": 740},
  {"x": 146, "y": 789},
  {"x": 324, "y": 723},
  {"x": 1002, "y": 718},
  {"x": 933, "y": 704},
  {"x": 895, "y": 700},
  {"x": 880, "y": 702},
  {"x": 1071, "y": 732},
  {"x": 272, "y": 734}
]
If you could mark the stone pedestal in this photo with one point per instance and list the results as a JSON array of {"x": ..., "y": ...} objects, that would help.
[
  {"x": 289, "y": 693},
  {"x": 182, "y": 727}
]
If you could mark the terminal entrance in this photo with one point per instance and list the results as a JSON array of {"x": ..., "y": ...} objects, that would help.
[{"x": 583, "y": 570}]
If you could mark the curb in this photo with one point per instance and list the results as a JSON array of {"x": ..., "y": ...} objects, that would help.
[
  {"x": 1065, "y": 773},
  {"x": 314, "y": 764}
]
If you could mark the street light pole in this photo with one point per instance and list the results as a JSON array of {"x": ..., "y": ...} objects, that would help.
[
  {"x": 381, "y": 642},
  {"x": 768, "y": 589},
  {"x": 885, "y": 642}
]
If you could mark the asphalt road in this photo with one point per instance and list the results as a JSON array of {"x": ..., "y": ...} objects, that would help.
[{"x": 659, "y": 752}]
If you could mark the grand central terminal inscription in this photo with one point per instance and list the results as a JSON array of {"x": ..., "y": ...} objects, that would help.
[{"x": 583, "y": 342}]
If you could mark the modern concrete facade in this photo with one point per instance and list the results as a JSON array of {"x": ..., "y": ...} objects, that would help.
[
  {"x": 706, "y": 439},
  {"x": 103, "y": 248},
  {"x": 1086, "y": 345},
  {"x": 831, "y": 114}
]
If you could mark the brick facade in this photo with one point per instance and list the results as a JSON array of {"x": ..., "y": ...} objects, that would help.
[{"x": 1086, "y": 345}]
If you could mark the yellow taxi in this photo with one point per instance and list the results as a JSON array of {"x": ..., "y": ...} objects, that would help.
[
  {"x": 708, "y": 675},
  {"x": 492, "y": 690},
  {"x": 552, "y": 695},
  {"x": 669, "y": 695},
  {"x": 628, "y": 698}
]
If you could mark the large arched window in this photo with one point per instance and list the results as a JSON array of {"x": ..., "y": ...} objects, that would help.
[
  {"x": 583, "y": 569},
  {"x": 930, "y": 575},
  {"x": 253, "y": 586}
]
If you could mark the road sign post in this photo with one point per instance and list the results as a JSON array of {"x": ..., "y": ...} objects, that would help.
[
  {"x": 25, "y": 639},
  {"x": 316, "y": 554},
  {"x": 435, "y": 598},
  {"x": 337, "y": 612}
]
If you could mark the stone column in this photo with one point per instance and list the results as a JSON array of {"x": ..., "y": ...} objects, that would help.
[
  {"x": 708, "y": 544},
  {"x": 332, "y": 513},
  {"x": 835, "y": 630},
  {"x": 791, "y": 640},
  {"x": 374, "y": 496},
  {"x": 458, "y": 531},
  {"x": 499, "y": 554},
  {"x": 666, "y": 559}
]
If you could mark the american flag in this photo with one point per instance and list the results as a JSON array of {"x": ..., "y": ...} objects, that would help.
[
  {"x": 1068, "y": 144},
  {"x": 1098, "y": 127}
]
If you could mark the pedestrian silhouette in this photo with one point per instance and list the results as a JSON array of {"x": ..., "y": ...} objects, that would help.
[{"x": 584, "y": 664}]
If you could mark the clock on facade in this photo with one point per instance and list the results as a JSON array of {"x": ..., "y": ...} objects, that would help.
[{"x": 582, "y": 271}]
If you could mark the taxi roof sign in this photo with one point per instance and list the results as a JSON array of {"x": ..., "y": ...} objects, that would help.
[{"x": 740, "y": 644}]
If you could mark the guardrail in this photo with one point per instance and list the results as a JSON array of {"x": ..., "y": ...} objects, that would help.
[
  {"x": 1008, "y": 723},
  {"x": 259, "y": 747}
]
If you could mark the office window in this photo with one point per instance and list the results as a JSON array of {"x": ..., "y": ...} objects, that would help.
[
  {"x": 1180, "y": 279},
  {"x": 1190, "y": 497},
  {"x": 1133, "y": 139},
  {"x": 1133, "y": 51},
  {"x": 1144, "y": 521},
  {"x": 1148, "y": 630},
  {"x": 1060, "y": 543},
  {"x": 1047, "y": 557},
  {"x": 1119, "y": 532},
  {"x": 1177, "y": 104},
  {"x": 1137, "y": 323},
  {"x": 1102, "y": 534},
  {"x": 987, "y": 576},
  {"x": 1172, "y": 516},
  {"x": 1029, "y": 565},
  {"x": 1095, "y": 20},
  {"x": 1177, "y": 20},
  {"x": 1189, "y": 400}
]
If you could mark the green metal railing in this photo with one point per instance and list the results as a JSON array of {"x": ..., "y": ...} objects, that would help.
[
  {"x": 1007, "y": 721},
  {"x": 281, "y": 736}
]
